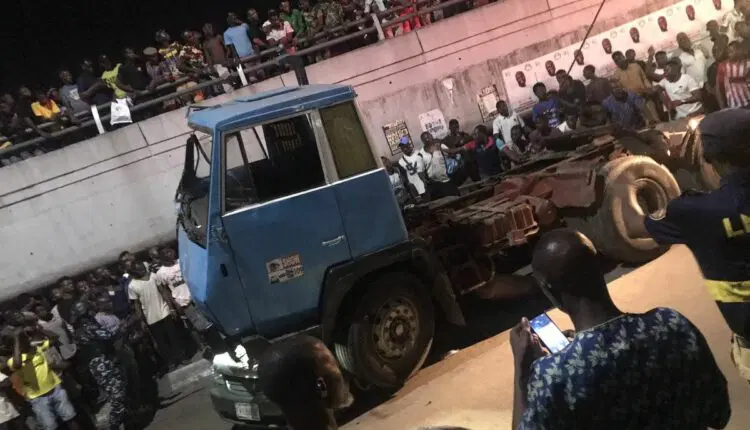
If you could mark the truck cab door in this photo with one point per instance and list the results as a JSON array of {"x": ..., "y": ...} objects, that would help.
[{"x": 281, "y": 220}]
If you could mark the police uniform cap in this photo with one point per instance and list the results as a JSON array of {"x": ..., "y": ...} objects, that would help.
[{"x": 726, "y": 134}]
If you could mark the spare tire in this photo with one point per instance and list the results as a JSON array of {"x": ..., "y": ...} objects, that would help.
[{"x": 632, "y": 187}]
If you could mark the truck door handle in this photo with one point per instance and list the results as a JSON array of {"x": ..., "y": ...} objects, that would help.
[{"x": 333, "y": 242}]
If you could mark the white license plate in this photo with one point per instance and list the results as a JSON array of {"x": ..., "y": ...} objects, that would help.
[{"x": 247, "y": 411}]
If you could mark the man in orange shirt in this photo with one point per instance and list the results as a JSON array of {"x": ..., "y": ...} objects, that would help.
[
  {"x": 44, "y": 108},
  {"x": 633, "y": 78}
]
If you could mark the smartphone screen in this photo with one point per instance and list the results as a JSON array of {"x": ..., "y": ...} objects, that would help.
[{"x": 548, "y": 333}]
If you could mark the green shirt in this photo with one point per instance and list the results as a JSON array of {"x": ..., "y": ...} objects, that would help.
[
  {"x": 110, "y": 78},
  {"x": 296, "y": 20}
]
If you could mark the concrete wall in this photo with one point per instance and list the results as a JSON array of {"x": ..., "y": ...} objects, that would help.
[{"x": 78, "y": 207}]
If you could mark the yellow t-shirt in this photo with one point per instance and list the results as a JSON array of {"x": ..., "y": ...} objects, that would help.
[
  {"x": 110, "y": 78},
  {"x": 38, "y": 379},
  {"x": 46, "y": 112}
]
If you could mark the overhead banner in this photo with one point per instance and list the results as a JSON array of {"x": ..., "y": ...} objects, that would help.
[
  {"x": 394, "y": 131},
  {"x": 658, "y": 29}
]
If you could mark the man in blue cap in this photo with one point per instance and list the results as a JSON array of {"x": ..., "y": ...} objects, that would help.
[
  {"x": 716, "y": 225},
  {"x": 413, "y": 164}
]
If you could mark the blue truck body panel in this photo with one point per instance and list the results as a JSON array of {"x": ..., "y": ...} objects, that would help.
[
  {"x": 268, "y": 106},
  {"x": 370, "y": 213},
  {"x": 263, "y": 267}
]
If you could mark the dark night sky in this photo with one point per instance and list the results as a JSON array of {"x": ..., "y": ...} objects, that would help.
[{"x": 40, "y": 37}]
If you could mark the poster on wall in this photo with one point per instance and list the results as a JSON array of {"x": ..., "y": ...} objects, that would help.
[
  {"x": 658, "y": 29},
  {"x": 487, "y": 100},
  {"x": 434, "y": 123},
  {"x": 393, "y": 133}
]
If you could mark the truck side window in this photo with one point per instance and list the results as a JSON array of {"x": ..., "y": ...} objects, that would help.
[
  {"x": 349, "y": 145},
  {"x": 270, "y": 161}
]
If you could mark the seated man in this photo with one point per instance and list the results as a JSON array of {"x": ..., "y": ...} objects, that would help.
[
  {"x": 625, "y": 108},
  {"x": 303, "y": 378},
  {"x": 641, "y": 371},
  {"x": 543, "y": 131}
]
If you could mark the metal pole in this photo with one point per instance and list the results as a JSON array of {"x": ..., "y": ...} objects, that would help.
[
  {"x": 376, "y": 23},
  {"x": 587, "y": 35}
]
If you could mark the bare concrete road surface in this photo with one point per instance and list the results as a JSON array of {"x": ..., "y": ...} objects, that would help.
[{"x": 473, "y": 388}]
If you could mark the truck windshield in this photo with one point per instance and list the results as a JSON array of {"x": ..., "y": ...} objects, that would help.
[
  {"x": 192, "y": 193},
  {"x": 270, "y": 161}
]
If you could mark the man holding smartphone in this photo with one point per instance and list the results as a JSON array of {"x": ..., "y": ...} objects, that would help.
[{"x": 651, "y": 370}]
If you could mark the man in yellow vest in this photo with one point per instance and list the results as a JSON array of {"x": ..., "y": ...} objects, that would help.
[{"x": 109, "y": 75}]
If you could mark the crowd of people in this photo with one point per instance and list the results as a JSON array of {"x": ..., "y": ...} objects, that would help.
[
  {"x": 98, "y": 344},
  {"x": 650, "y": 370},
  {"x": 697, "y": 79},
  {"x": 196, "y": 57}
]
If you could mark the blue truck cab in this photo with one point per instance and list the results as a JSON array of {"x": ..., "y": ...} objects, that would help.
[{"x": 287, "y": 224}]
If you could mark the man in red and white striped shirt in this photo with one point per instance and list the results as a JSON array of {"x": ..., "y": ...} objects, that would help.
[{"x": 733, "y": 78}]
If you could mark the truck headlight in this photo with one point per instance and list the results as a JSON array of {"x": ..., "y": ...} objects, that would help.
[
  {"x": 693, "y": 124},
  {"x": 218, "y": 377},
  {"x": 224, "y": 365}
]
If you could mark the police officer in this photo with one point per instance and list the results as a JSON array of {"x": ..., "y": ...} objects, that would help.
[
  {"x": 716, "y": 225},
  {"x": 96, "y": 344}
]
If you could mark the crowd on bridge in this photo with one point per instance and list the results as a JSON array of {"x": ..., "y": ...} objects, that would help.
[
  {"x": 194, "y": 57},
  {"x": 699, "y": 78},
  {"x": 90, "y": 349}
]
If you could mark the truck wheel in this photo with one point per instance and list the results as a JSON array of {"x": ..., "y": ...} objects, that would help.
[
  {"x": 633, "y": 186},
  {"x": 390, "y": 332}
]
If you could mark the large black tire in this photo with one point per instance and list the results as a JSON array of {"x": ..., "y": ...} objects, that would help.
[
  {"x": 632, "y": 187},
  {"x": 389, "y": 333}
]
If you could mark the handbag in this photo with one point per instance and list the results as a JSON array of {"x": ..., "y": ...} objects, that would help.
[{"x": 120, "y": 112}]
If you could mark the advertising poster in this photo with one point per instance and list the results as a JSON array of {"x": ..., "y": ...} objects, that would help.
[
  {"x": 393, "y": 133},
  {"x": 434, "y": 123},
  {"x": 658, "y": 29},
  {"x": 487, "y": 100}
]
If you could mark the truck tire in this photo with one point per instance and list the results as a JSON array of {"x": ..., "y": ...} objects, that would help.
[
  {"x": 632, "y": 186},
  {"x": 389, "y": 333}
]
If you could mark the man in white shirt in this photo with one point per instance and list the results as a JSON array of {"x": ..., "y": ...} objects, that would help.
[
  {"x": 277, "y": 30},
  {"x": 731, "y": 18},
  {"x": 436, "y": 168},
  {"x": 53, "y": 323},
  {"x": 570, "y": 123},
  {"x": 684, "y": 93},
  {"x": 413, "y": 163},
  {"x": 151, "y": 306},
  {"x": 170, "y": 278},
  {"x": 504, "y": 123},
  {"x": 396, "y": 177},
  {"x": 693, "y": 60}
]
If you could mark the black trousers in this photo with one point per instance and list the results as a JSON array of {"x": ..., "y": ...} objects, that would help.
[
  {"x": 442, "y": 189},
  {"x": 737, "y": 316},
  {"x": 167, "y": 339}
]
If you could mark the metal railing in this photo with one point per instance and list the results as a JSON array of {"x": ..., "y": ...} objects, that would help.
[{"x": 372, "y": 24}]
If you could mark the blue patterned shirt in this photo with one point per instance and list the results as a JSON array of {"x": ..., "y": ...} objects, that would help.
[
  {"x": 627, "y": 113},
  {"x": 638, "y": 371}
]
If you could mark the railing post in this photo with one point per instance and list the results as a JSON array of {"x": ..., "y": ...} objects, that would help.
[
  {"x": 241, "y": 72},
  {"x": 97, "y": 119},
  {"x": 379, "y": 27}
]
